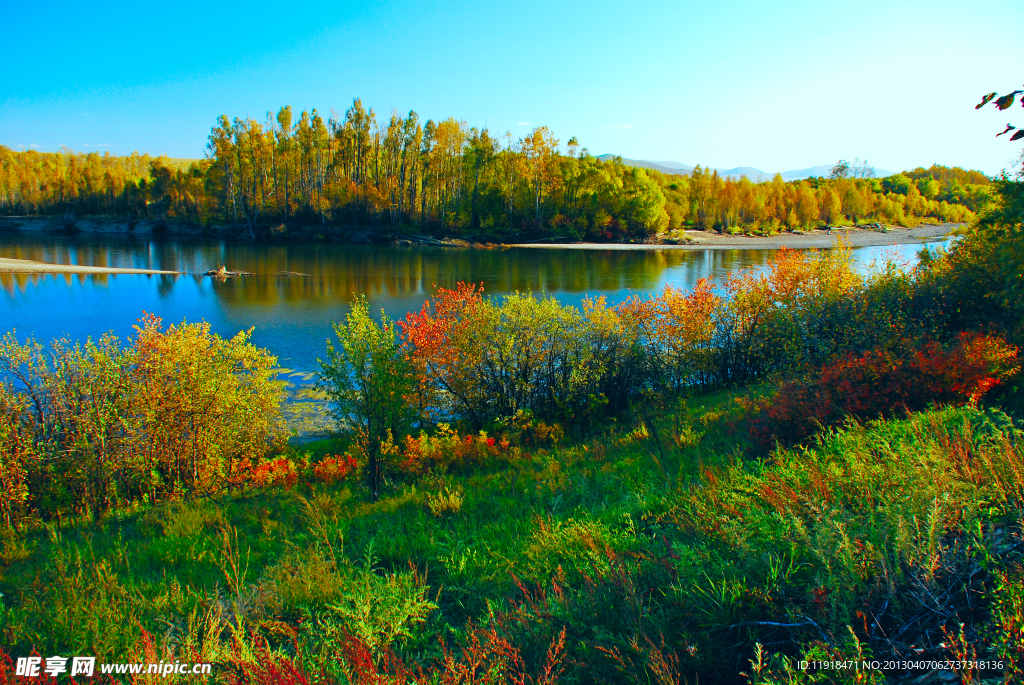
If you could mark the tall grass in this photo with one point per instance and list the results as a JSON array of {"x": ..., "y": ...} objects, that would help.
[{"x": 876, "y": 539}]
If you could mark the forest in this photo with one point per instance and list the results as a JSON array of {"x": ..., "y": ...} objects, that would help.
[
  {"x": 289, "y": 175},
  {"x": 809, "y": 462}
]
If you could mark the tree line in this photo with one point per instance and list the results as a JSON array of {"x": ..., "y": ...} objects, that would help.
[{"x": 447, "y": 178}]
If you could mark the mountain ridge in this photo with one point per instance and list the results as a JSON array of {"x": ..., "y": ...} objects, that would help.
[{"x": 754, "y": 174}]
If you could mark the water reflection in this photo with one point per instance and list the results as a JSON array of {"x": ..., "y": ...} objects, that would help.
[
  {"x": 292, "y": 315},
  {"x": 339, "y": 270}
]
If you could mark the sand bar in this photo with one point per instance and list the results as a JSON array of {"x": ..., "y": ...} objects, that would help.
[
  {"x": 28, "y": 266},
  {"x": 856, "y": 237}
]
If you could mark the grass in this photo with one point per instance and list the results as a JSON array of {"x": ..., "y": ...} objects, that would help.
[{"x": 657, "y": 547}]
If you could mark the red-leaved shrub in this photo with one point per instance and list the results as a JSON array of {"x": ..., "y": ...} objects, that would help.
[
  {"x": 332, "y": 469},
  {"x": 280, "y": 471},
  {"x": 878, "y": 382}
]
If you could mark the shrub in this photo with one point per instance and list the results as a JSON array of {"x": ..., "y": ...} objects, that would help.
[
  {"x": 480, "y": 361},
  {"x": 1006, "y": 631},
  {"x": 677, "y": 331},
  {"x": 332, "y": 469},
  {"x": 16, "y": 452},
  {"x": 863, "y": 527},
  {"x": 374, "y": 609},
  {"x": 281, "y": 471},
  {"x": 881, "y": 381},
  {"x": 446, "y": 450},
  {"x": 980, "y": 280},
  {"x": 210, "y": 406}
]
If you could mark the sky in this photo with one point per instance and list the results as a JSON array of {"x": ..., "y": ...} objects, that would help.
[{"x": 777, "y": 86}]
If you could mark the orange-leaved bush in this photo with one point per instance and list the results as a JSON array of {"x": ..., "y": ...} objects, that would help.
[{"x": 677, "y": 331}]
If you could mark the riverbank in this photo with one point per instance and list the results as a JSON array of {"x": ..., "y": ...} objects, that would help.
[
  {"x": 28, "y": 266},
  {"x": 703, "y": 240},
  {"x": 689, "y": 240}
]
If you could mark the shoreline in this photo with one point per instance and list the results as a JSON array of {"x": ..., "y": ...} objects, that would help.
[
  {"x": 695, "y": 240},
  {"x": 29, "y": 266},
  {"x": 855, "y": 237}
]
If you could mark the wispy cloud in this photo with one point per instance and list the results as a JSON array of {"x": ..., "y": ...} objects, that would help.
[
  {"x": 96, "y": 144},
  {"x": 523, "y": 123}
]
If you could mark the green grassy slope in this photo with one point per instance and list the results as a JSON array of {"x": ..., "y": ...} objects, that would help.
[{"x": 656, "y": 549}]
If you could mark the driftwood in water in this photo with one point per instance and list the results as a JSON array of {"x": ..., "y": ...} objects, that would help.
[{"x": 222, "y": 273}]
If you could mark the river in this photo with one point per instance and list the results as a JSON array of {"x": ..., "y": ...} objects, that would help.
[{"x": 291, "y": 316}]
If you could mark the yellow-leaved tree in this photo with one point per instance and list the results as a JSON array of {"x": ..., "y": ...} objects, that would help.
[
  {"x": 210, "y": 406},
  {"x": 88, "y": 427}
]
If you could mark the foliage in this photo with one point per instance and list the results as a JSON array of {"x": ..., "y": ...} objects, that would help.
[
  {"x": 979, "y": 280},
  {"x": 373, "y": 609},
  {"x": 1003, "y": 103},
  {"x": 445, "y": 450},
  {"x": 880, "y": 382},
  {"x": 332, "y": 469},
  {"x": 66, "y": 183},
  {"x": 857, "y": 529},
  {"x": 209, "y": 405},
  {"x": 369, "y": 381},
  {"x": 778, "y": 668},
  {"x": 677, "y": 331},
  {"x": 90, "y": 427},
  {"x": 584, "y": 564},
  {"x": 649, "y": 540},
  {"x": 1007, "y": 627},
  {"x": 485, "y": 362},
  {"x": 308, "y": 174}
]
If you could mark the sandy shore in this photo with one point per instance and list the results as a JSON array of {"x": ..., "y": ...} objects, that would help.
[
  {"x": 27, "y": 266},
  {"x": 858, "y": 237}
]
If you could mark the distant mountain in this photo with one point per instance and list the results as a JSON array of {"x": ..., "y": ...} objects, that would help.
[
  {"x": 750, "y": 172},
  {"x": 820, "y": 170},
  {"x": 663, "y": 167},
  {"x": 667, "y": 165}
]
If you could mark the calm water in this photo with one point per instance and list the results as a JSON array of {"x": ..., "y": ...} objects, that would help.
[{"x": 292, "y": 316}]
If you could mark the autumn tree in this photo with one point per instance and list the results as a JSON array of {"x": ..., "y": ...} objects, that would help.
[{"x": 539, "y": 149}]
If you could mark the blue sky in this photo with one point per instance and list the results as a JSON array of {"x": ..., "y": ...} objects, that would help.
[{"x": 772, "y": 85}]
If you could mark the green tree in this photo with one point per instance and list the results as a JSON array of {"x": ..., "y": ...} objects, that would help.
[
  {"x": 898, "y": 183},
  {"x": 369, "y": 380},
  {"x": 928, "y": 186}
]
